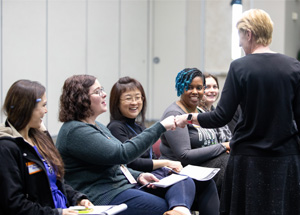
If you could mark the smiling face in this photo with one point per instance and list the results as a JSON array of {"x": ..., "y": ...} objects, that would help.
[
  {"x": 211, "y": 90},
  {"x": 131, "y": 103},
  {"x": 97, "y": 97},
  {"x": 191, "y": 97},
  {"x": 38, "y": 113}
]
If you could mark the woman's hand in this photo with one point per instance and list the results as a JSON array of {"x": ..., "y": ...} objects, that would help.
[
  {"x": 175, "y": 165},
  {"x": 181, "y": 120},
  {"x": 227, "y": 146},
  {"x": 169, "y": 123},
  {"x": 86, "y": 203},
  {"x": 69, "y": 212},
  {"x": 146, "y": 178}
]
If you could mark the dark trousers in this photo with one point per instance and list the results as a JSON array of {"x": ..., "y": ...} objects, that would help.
[{"x": 156, "y": 201}]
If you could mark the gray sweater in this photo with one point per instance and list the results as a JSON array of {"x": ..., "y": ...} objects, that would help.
[
  {"x": 180, "y": 145},
  {"x": 92, "y": 158}
]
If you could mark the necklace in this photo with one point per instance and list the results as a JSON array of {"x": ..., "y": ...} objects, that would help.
[{"x": 187, "y": 110}]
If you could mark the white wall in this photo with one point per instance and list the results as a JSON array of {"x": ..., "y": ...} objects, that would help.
[
  {"x": 292, "y": 29},
  {"x": 50, "y": 40}
]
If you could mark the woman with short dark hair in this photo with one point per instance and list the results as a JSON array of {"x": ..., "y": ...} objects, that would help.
[{"x": 193, "y": 144}]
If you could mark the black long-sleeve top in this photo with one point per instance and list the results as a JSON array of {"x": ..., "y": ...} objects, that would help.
[
  {"x": 122, "y": 130},
  {"x": 267, "y": 88}
]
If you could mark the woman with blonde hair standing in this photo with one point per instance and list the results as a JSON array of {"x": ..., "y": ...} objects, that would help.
[{"x": 262, "y": 175}]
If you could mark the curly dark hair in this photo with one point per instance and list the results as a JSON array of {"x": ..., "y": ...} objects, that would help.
[
  {"x": 75, "y": 103},
  {"x": 123, "y": 84},
  {"x": 185, "y": 77}
]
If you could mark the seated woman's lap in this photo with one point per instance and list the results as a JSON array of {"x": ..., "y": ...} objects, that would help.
[
  {"x": 218, "y": 162},
  {"x": 140, "y": 202},
  {"x": 179, "y": 194}
]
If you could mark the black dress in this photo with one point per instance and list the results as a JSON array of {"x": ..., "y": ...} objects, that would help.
[{"x": 263, "y": 171}]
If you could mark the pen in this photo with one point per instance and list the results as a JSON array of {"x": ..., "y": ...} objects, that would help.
[
  {"x": 144, "y": 185},
  {"x": 171, "y": 169}
]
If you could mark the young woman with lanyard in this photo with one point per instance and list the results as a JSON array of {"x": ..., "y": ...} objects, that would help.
[{"x": 31, "y": 169}]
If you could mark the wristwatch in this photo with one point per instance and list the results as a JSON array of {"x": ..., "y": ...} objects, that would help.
[{"x": 190, "y": 118}]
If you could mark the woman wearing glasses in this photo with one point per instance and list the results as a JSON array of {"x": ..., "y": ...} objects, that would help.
[
  {"x": 95, "y": 160},
  {"x": 127, "y": 113},
  {"x": 193, "y": 144}
]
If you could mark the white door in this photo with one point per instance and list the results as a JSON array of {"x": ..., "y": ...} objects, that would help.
[{"x": 168, "y": 54}]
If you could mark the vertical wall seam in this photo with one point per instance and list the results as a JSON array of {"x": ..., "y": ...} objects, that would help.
[
  {"x": 202, "y": 30},
  {"x": 86, "y": 37},
  {"x": 46, "y": 55},
  {"x": 119, "y": 41},
  {"x": 147, "y": 48},
  {"x": 1, "y": 57},
  {"x": 148, "y": 60},
  {"x": 151, "y": 65},
  {"x": 186, "y": 33}
]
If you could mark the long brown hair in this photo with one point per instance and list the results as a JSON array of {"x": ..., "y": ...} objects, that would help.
[{"x": 19, "y": 104}]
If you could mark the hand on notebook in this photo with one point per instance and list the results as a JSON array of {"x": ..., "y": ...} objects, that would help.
[
  {"x": 146, "y": 178},
  {"x": 68, "y": 211},
  {"x": 174, "y": 165},
  {"x": 86, "y": 203}
]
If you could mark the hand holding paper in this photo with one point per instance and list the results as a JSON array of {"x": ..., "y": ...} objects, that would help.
[{"x": 196, "y": 172}]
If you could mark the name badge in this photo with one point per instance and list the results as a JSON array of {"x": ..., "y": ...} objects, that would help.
[
  {"x": 33, "y": 168},
  {"x": 127, "y": 174}
]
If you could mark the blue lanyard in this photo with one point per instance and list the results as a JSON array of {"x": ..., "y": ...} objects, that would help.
[{"x": 136, "y": 135}]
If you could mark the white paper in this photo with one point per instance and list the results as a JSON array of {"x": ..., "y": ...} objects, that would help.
[
  {"x": 199, "y": 173},
  {"x": 196, "y": 172},
  {"x": 102, "y": 209},
  {"x": 169, "y": 180},
  {"x": 115, "y": 209}
]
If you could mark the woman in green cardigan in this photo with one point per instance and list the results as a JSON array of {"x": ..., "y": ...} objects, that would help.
[{"x": 94, "y": 158}]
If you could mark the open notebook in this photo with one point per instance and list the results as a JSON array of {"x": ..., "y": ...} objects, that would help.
[
  {"x": 196, "y": 172},
  {"x": 100, "y": 210}
]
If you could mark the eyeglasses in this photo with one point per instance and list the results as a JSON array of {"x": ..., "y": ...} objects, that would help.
[
  {"x": 99, "y": 91},
  {"x": 130, "y": 99}
]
